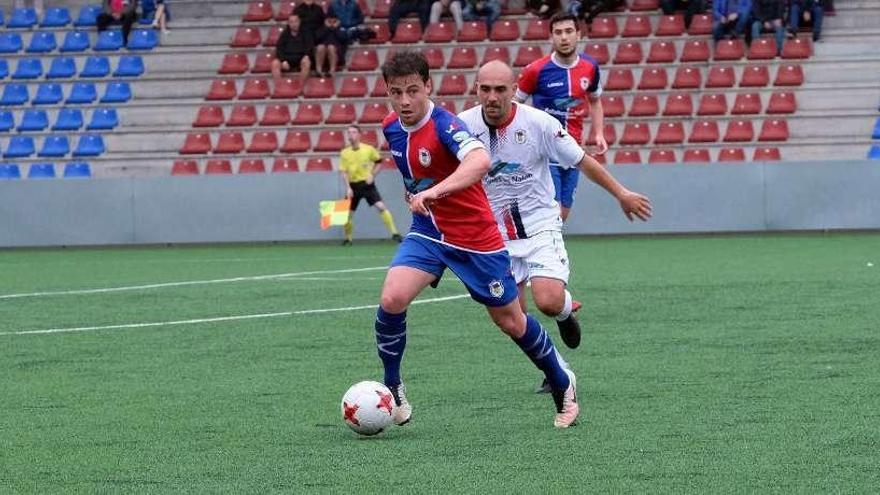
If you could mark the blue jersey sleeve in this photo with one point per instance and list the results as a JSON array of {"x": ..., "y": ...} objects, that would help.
[{"x": 454, "y": 134}]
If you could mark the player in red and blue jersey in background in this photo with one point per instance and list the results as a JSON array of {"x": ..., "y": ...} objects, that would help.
[
  {"x": 453, "y": 227},
  {"x": 566, "y": 85}
]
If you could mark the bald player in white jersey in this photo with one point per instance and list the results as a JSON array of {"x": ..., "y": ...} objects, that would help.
[{"x": 522, "y": 142}]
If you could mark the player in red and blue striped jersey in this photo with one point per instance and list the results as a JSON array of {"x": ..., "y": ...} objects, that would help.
[
  {"x": 453, "y": 227},
  {"x": 566, "y": 85}
]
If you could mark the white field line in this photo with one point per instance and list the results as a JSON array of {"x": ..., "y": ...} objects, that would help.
[
  {"x": 186, "y": 283},
  {"x": 221, "y": 318}
]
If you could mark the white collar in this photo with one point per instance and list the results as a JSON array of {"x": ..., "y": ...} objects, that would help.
[
  {"x": 557, "y": 62},
  {"x": 420, "y": 123}
]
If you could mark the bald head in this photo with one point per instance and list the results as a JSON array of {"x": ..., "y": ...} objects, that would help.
[
  {"x": 496, "y": 71},
  {"x": 495, "y": 87}
]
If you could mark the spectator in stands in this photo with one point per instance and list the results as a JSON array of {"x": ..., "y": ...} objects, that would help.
[
  {"x": 401, "y": 8},
  {"x": 37, "y": 6},
  {"x": 453, "y": 7},
  {"x": 808, "y": 10},
  {"x": 730, "y": 18},
  {"x": 544, "y": 9},
  {"x": 487, "y": 10},
  {"x": 351, "y": 20},
  {"x": 118, "y": 12},
  {"x": 330, "y": 44},
  {"x": 158, "y": 9},
  {"x": 690, "y": 8},
  {"x": 294, "y": 49},
  {"x": 767, "y": 16},
  {"x": 587, "y": 10},
  {"x": 311, "y": 16}
]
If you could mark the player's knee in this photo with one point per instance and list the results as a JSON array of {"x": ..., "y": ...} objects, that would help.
[
  {"x": 393, "y": 302},
  {"x": 511, "y": 323},
  {"x": 549, "y": 306}
]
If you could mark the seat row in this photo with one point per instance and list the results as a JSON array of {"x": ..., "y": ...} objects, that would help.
[
  {"x": 81, "y": 93},
  {"x": 65, "y": 67},
  {"x": 681, "y": 104},
  {"x": 279, "y": 114},
  {"x": 702, "y": 131},
  {"x": 232, "y": 142},
  {"x": 79, "y": 41},
  {"x": 54, "y": 17},
  {"x": 54, "y": 146},
  {"x": 693, "y": 155},
  {"x": 665, "y": 52},
  {"x": 691, "y": 77},
  {"x": 45, "y": 170},
  {"x": 254, "y": 166},
  {"x": 262, "y": 11},
  {"x": 67, "y": 119}
]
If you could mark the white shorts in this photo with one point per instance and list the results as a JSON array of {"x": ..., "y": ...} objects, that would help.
[{"x": 542, "y": 255}]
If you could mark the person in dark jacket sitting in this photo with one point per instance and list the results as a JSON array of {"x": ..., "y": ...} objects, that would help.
[
  {"x": 808, "y": 10},
  {"x": 767, "y": 16},
  {"x": 293, "y": 50},
  {"x": 118, "y": 12},
  {"x": 330, "y": 44}
]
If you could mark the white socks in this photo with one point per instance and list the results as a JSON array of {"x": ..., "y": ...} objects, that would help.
[{"x": 566, "y": 308}]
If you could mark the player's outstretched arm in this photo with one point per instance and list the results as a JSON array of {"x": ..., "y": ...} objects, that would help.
[
  {"x": 632, "y": 204},
  {"x": 597, "y": 117},
  {"x": 471, "y": 170}
]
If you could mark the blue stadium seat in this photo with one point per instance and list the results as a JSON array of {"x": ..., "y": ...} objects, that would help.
[
  {"x": 28, "y": 68},
  {"x": 6, "y": 121},
  {"x": 117, "y": 92},
  {"x": 89, "y": 145},
  {"x": 10, "y": 43},
  {"x": 874, "y": 152},
  {"x": 56, "y": 17},
  {"x": 62, "y": 68},
  {"x": 103, "y": 119},
  {"x": 33, "y": 120},
  {"x": 48, "y": 94},
  {"x": 4, "y": 68},
  {"x": 41, "y": 171},
  {"x": 55, "y": 146},
  {"x": 69, "y": 119},
  {"x": 142, "y": 39},
  {"x": 22, "y": 18},
  {"x": 75, "y": 41},
  {"x": 19, "y": 147},
  {"x": 88, "y": 16},
  {"x": 96, "y": 67},
  {"x": 129, "y": 66},
  {"x": 82, "y": 93},
  {"x": 108, "y": 41},
  {"x": 77, "y": 169},
  {"x": 876, "y": 133},
  {"x": 14, "y": 94},
  {"x": 42, "y": 42},
  {"x": 9, "y": 171}
]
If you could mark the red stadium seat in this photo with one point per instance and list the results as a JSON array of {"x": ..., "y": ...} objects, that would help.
[
  {"x": 496, "y": 53},
  {"x": 285, "y": 8},
  {"x": 755, "y": 76},
  {"x": 731, "y": 155},
  {"x": 729, "y": 50},
  {"x": 319, "y": 87},
  {"x": 609, "y": 133},
  {"x": 661, "y": 156},
  {"x": 453, "y": 84},
  {"x": 637, "y": 26},
  {"x": 678, "y": 104},
  {"x": 613, "y": 106},
  {"x": 308, "y": 114},
  {"x": 602, "y": 159},
  {"x": 695, "y": 51},
  {"x": 644, "y": 106},
  {"x": 462, "y": 57},
  {"x": 627, "y": 157},
  {"x": 379, "y": 89},
  {"x": 382, "y": 8},
  {"x": 234, "y": 63},
  {"x": 712, "y": 104},
  {"x": 636, "y": 133},
  {"x": 374, "y": 113},
  {"x": 670, "y": 133},
  {"x": 698, "y": 155},
  {"x": 526, "y": 55},
  {"x": 263, "y": 63},
  {"x": 449, "y": 105},
  {"x": 619, "y": 80},
  {"x": 774, "y": 130},
  {"x": 653, "y": 78},
  {"x": 364, "y": 60},
  {"x": 746, "y": 104},
  {"x": 628, "y": 53},
  {"x": 252, "y": 166},
  {"x": 441, "y": 32},
  {"x": 246, "y": 37},
  {"x": 330, "y": 141},
  {"x": 704, "y": 131},
  {"x": 796, "y": 48},
  {"x": 407, "y": 32},
  {"x": 537, "y": 29},
  {"x": 766, "y": 155},
  {"x": 185, "y": 167},
  {"x": 255, "y": 89},
  {"x": 789, "y": 75},
  {"x": 209, "y": 117},
  {"x": 472, "y": 31},
  {"x": 662, "y": 52},
  {"x": 721, "y": 76},
  {"x": 285, "y": 165},
  {"x": 341, "y": 113},
  {"x": 504, "y": 31},
  {"x": 383, "y": 34},
  {"x": 263, "y": 142},
  {"x": 272, "y": 35},
  {"x": 286, "y": 89},
  {"x": 762, "y": 49},
  {"x": 598, "y": 51},
  {"x": 222, "y": 89},
  {"x": 230, "y": 142},
  {"x": 258, "y": 11},
  {"x": 670, "y": 25},
  {"x": 369, "y": 136},
  {"x": 435, "y": 57},
  {"x": 353, "y": 87},
  {"x": 603, "y": 27},
  {"x": 242, "y": 116},
  {"x": 782, "y": 102},
  {"x": 701, "y": 24},
  {"x": 218, "y": 167},
  {"x": 640, "y": 5},
  {"x": 687, "y": 78},
  {"x": 319, "y": 165},
  {"x": 739, "y": 131},
  {"x": 276, "y": 115},
  {"x": 296, "y": 142},
  {"x": 469, "y": 104},
  {"x": 197, "y": 143}
]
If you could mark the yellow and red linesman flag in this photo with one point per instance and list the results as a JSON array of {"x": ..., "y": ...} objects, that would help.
[{"x": 334, "y": 212}]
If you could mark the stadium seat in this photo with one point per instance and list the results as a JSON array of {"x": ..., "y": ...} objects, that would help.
[
  {"x": 259, "y": 11},
  {"x": 61, "y": 68},
  {"x": 452, "y": 84},
  {"x": 308, "y": 114},
  {"x": 603, "y": 27},
  {"x": 74, "y": 170},
  {"x": 276, "y": 115},
  {"x": 89, "y": 145},
  {"x": 6, "y": 121},
  {"x": 472, "y": 31},
  {"x": 704, "y": 131},
  {"x": 234, "y": 63},
  {"x": 504, "y": 31},
  {"x": 613, "y": 106},
  {"x": 766, "y": 154},
  {"x": 662, "y": 52},
  {"x": 537, "y": 30},
  {"x": 698, "y": 155},
  {"x": 608, "y": 132},
  {"x": 75, "y": 41},
  {"x": 653, "y": 78},
  {"x": 701, "y": 24},
  {"x": 670, "y": 133},
  {"x": 103, "y": 119},
  {"x": 796, "y": 48},
  {"x": 263, "y": 142},
  {"x": 319, "y": 165},
  {"x": 364, "y": 60},
  {"x": 196, "y": 143},
  {"x": 695, "y": 51},
  {"x": 262, "y": 63},
  {"x": 627, "y": 157},
  {"x": 619, "y": 80},
  {"x": 731, "y": 155},
  {"x": 255, "y": 89},
  {"x": 108, "y": 41},
  {"x": 449, "y": 105},
  {"x": 285, "y": 165},
  {"x": 374, "y": 113},
  {"x": 41, "y": 171},
  {"x": 383, "y": 34},
  {"x": 644, "y": 106},
  {"x": 33, "y": 121},
  {"x": 440, "y": 32},
  {"x": 286, "y": 89},
  {"x": 4, "y": 69},
  {"x": 10, "y": 43},
  {"x": 526, "y": 55},
  {"x": 319, "y": 87},
  {"x": 2, "y": 18},
  {"x": 773, "y": 130},
  {"x": 19, "y": 147},
  {"x": 739, "y": 130},
  {"x": 782, "y": 102},
  {"x": 218, "y": 166},
  {"x": 341, "y": 113},
  {"x": 493, "y": 53},
  {"x": 721, "y": 76},
  {"x": 185, "y": 167},
  {"x": 9, "y": 171},
  {"x": 658, "y": 155},
  {"x": 116, "y": 92},
  {"x": 143, "y": 39},
  {"x": 755, "y": 76},
  {"x": 382, "y": 8},
  {"x": 252, "y": 165},
  {"x": 687, "y": 78},
  {"x": 407, "y": 33},
  {"x": 462, "y": 57},
  {"x": 96, "y": 67},
  {"x": 330, "y": 141},
  {"x": 679, "y": 104},
  {"x": 636, "y": 26},
  {"x": 246, "y": 37},
  {"x": 712, "y": 104},
  {"x": 762, "y": 49},
  {"x": 628, "y": 53},
  {"x": 789, "y": 75},
  {"x": 48, "y": 94},
  {"x": 42, "y": 42},
  {"x": 22, "y": 18},
  {"x": 670, "y": 25},
  {"x": 353, "y": 87},
  {"x": 642, "y": 5},
  {"x": 230, "y": 142},
  {"x": 874, "y": 152},
  {"x": 14, "y": 94},
  {"x": 296, "y": 142},
  {"x": 746, "y": 104},
  {"x": 599, "y": 51},
  {"x": 82, "y": 93},
  {"x": 55, "y": 146},
  {"x": 28, "y": 68},
  {"x": 129, "y": 66},
  {"x": 635, "y": 133},
  {"x": 56, "y": 17},
  {"x": 68, "y": 119},
  {"x": 369, "y": 136},
  {"x": 272, "y": 35},
  {"x": 242, "y": 116},
  {"x": 88, "y": 16},
  {"x": 285, "y": 8},
  {"x": 379, "y": 89},
  {"x": 729, "y": 50}
]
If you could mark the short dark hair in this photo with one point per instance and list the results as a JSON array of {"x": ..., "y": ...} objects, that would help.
[
  {"x": 562, "y": 17},
  {"x": 406, "y": 63}
]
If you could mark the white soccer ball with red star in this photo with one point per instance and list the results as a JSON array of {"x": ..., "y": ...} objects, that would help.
[{"x": 367, "y": 407}]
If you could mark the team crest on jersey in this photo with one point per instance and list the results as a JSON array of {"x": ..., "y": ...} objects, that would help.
[
  {"x": 424, "y": 157},
  {"x": 520, "y": 136},
  {"x": 585, "y": 83},
  {"x": 496, "y": 288}
]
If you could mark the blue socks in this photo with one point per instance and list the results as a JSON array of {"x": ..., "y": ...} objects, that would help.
[
  {"x": 539, "y": 348},
  {"x": 390, "y": 341}
]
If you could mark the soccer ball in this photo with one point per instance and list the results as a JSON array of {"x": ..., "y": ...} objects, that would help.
[{"x": 367, "y": 407}]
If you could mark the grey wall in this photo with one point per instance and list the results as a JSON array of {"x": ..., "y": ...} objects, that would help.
[{"x": 687, "y": 198}]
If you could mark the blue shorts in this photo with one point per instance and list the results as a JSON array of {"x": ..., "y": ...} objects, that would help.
[
  {"x": 565, "y": 180},
  {"x": 486, "y": 276}
]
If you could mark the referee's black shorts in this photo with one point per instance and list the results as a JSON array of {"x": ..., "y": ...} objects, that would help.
[{"x": 362, "y": 190}]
